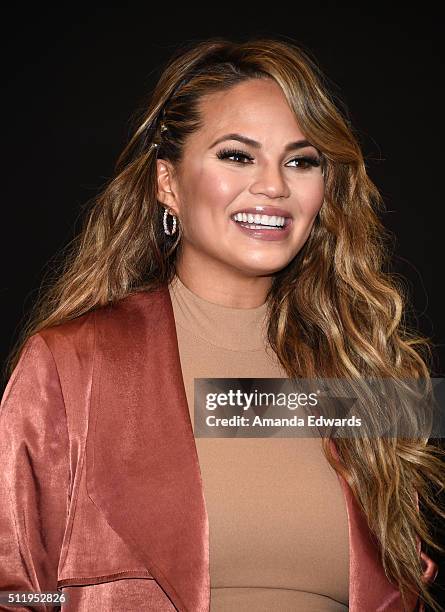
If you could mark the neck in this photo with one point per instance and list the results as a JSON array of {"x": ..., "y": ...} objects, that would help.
[{"x": 225, "y": 287}]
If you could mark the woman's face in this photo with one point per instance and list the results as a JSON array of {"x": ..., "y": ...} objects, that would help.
[{"x": 272, "y": 175}]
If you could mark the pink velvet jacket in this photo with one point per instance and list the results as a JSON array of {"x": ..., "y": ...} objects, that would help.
[{"x": 100, "y": 486}]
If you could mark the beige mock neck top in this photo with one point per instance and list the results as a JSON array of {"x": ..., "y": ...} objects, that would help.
[{"x": 278, "y": 526}]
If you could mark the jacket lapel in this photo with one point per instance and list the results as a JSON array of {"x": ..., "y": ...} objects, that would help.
[
  {"x": 142, "y": 464},
  {"x": 369, "y": 588}
]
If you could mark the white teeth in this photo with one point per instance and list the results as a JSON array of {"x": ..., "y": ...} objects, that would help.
[
  {"x": 253, "y": 226},
  {"x": 273, "y": 220}
]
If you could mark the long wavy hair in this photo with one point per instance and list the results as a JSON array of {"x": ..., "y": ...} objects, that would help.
[{"x": 333, "y": 311}]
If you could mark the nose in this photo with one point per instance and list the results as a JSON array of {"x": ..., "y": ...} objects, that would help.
[{"x": 270, "y": 181}]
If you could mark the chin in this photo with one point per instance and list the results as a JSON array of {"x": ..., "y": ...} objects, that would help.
[{"x": 261, "y": 268}]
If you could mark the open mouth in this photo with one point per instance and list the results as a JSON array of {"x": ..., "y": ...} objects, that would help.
[
  {"x": 261, "y": 222},
  {"x": 263, "y": 227}
]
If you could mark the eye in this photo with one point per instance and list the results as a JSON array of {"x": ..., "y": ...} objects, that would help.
[
  {"x": 226, "y": 153},
  {"x": 304, "y": 162}
]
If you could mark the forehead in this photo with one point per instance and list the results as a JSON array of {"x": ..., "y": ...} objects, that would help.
[{"x": 255, "y": 106}]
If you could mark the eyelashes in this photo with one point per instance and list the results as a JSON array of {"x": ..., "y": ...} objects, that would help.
[{"x": 308, "y": 161}]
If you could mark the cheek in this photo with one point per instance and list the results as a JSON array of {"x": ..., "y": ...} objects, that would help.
[
  {"x": 210, "y": 193},
  {"x": 221, "y": 187},
  {"x": 310, "y": 199}
]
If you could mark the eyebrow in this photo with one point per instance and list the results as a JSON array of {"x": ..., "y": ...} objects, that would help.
[{"x": 291, "y": 146}]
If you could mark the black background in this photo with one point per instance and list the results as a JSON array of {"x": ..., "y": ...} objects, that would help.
[{"x": 73, "y": 78}]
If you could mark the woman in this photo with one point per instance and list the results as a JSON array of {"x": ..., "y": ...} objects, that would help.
[{"x": 111, "y": 497}]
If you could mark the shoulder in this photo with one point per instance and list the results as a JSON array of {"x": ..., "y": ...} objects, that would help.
[
  {"x": 76, "y": 339},
  {"x": 69, "y": 352}
]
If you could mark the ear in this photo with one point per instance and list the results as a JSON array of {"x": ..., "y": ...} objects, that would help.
[{"x": 167, "y": 191}]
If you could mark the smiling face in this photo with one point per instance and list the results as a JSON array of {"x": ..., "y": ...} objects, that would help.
[{"x": 217, "y": 179}]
